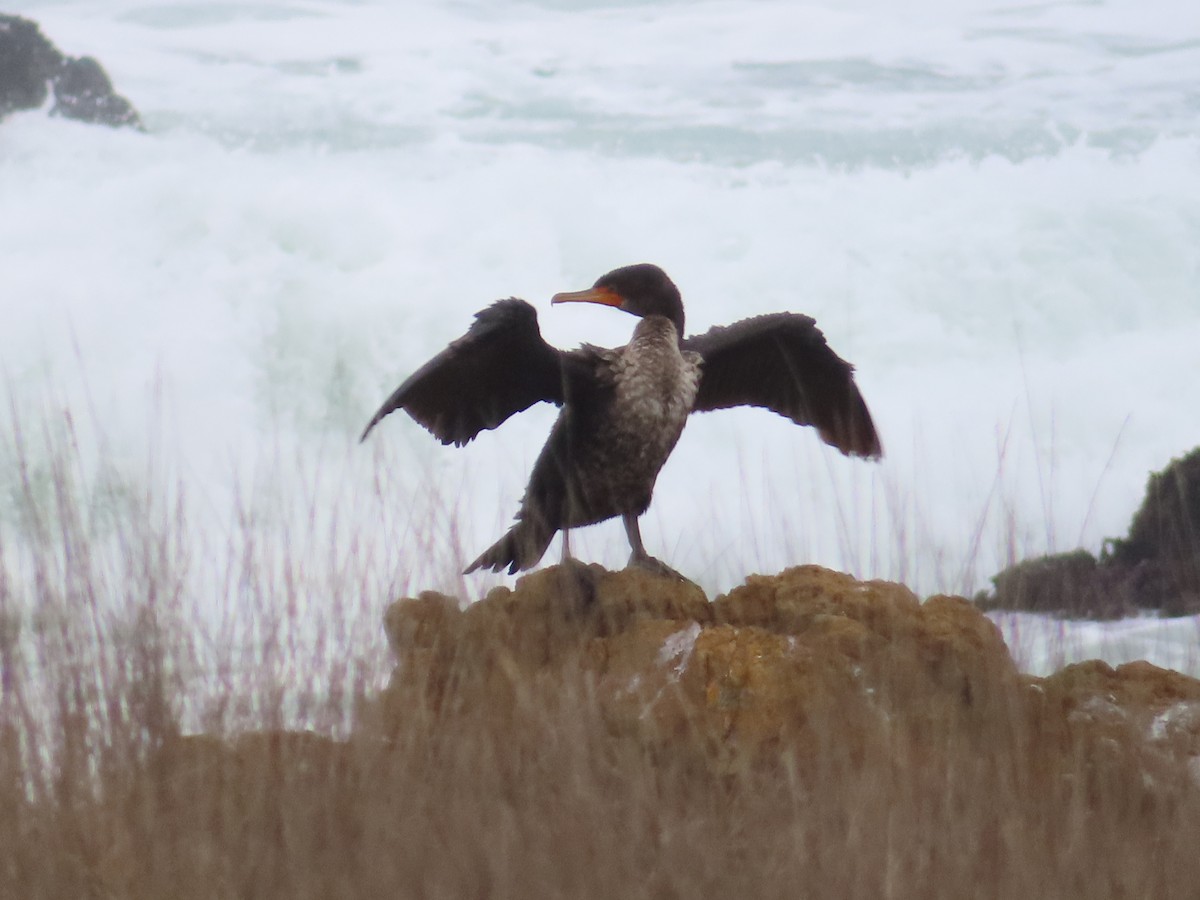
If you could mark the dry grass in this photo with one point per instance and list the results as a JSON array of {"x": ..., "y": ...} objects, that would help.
[
  {"x": 102, "y": 795},
  {"x": 548, "y": 804}
]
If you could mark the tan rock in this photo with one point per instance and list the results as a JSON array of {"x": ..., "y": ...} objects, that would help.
[{"x": 798, "y": 664}]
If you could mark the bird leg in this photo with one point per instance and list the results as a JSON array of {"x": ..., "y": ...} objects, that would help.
[
  {"x": 640, "y": 558},
  {"x": 577, "y": 581}
]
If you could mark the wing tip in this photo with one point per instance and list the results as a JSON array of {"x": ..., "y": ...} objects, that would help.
[
  {"x": 868, "y": 445},
  {"x": 390, "y": 405},
  {"x": 382, "y": 413},
  {"x": 855, "y": 436},
  {"x": 874, "y": 453}
]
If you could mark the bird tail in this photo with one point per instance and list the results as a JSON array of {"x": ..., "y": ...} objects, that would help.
[{"x": 519, "y": 549}]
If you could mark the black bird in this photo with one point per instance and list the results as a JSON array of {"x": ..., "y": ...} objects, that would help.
[{"x": 623, "y": 409}]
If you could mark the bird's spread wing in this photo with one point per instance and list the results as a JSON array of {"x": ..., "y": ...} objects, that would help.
[
  {"x": 781, "y": 362},
  {"x": 501, "y": 366}
]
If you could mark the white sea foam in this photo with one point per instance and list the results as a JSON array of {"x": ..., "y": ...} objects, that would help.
[
  {"x": 993, "y": 211},
  {"x": 1041, "y": 645}
]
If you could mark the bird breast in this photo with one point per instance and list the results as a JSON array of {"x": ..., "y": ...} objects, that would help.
[{"x": 655, "y": 388}]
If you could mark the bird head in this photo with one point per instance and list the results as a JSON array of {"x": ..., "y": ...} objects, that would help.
[{"x": 642, "y": 290}]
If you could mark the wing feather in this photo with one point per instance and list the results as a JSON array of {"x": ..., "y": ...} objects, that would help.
[
  {"x": 781, "y": 362},
  {"x": 500, "y": 367}
]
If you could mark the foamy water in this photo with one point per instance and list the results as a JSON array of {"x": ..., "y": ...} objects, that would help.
[{"x": 992, "y": 210}]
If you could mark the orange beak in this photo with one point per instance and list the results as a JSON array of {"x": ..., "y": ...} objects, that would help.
[{"x": 602, "y": 295}]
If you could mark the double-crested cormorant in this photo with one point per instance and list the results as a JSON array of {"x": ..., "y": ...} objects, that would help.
[{"x": 624, "y": 409}]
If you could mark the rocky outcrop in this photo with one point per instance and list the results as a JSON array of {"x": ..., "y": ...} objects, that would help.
[
  {"x": 31, "y": 67},
  {"x": 28, "y": 63},
  {"x": 799, "y": 666},
  {"x": 1157, "y": 567},
  {"x": 1162, "y": 550}
]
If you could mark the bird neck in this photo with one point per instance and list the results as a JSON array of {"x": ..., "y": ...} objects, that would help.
[
  {"x": 656, "y": 329},
  {"x": 674, "y": 315}
]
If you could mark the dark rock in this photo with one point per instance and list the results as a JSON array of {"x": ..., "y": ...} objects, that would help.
[
  {"x": 31, "y": 67},
  {"x": 1164, "y": 538},
  {"x": 1157, "y": 567},
  {"x": 28, "y": 62},
  {"x": 1065, "y": 584},
  {"x": 83, "y": 91}
]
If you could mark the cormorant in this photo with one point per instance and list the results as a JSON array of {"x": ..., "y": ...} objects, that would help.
[{"x": 623, "y": 409}]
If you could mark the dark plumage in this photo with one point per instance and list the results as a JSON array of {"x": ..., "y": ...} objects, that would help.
[{"x": 624, "y": 409}]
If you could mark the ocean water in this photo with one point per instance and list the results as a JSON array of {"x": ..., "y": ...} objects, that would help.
[{"x": 992, "y": 210}]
